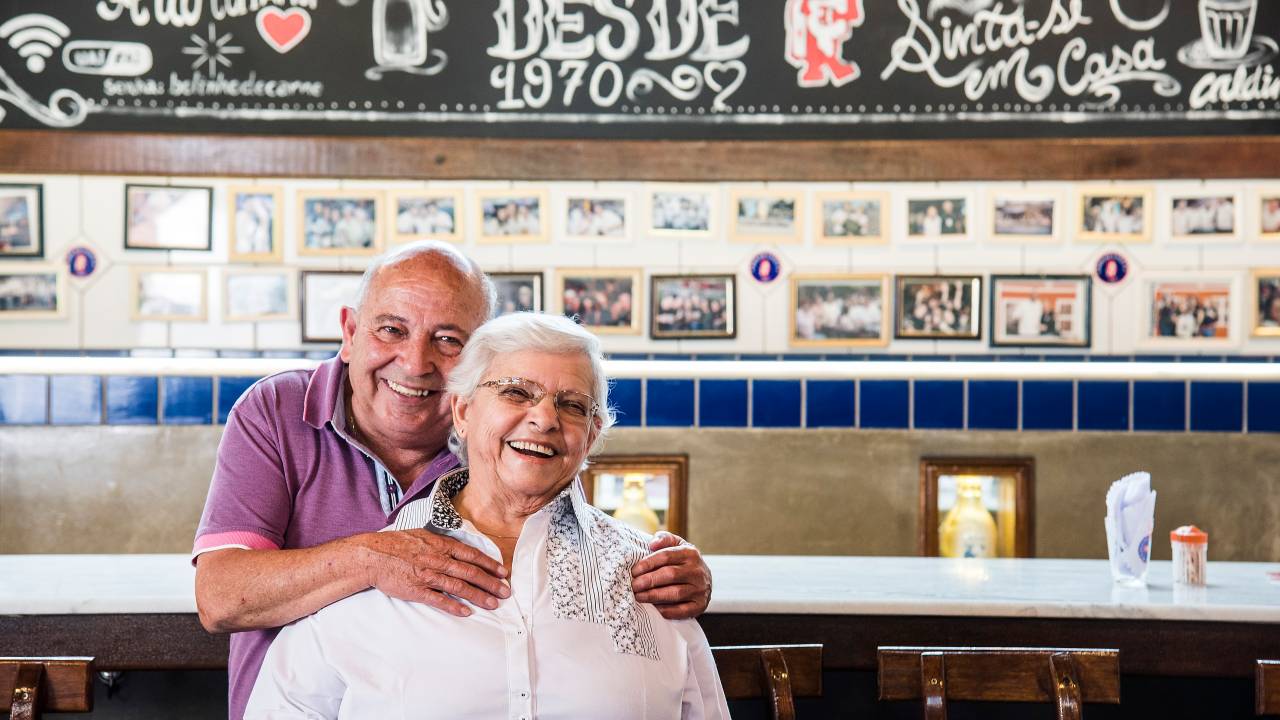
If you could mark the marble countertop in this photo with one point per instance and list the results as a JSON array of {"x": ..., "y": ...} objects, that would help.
[{"x": 1237, "y": 592}]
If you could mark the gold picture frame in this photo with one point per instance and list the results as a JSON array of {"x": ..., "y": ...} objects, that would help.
[
  {"x": 498, "y": 215},
  {"x": 803, "y": 333},
  {"x": 1013, "y": 480},
  {"x": 1106, "y": 214},
  {"x": 330, "y": 222},
  {"x": 419, "y": 214},
  {"x": 852, "y": 218},
  {"x": 45, "y": 285},
  {"x": 248, "y": 208},
  {"x": 168, "y": 294},
  {"x": 668, "y": 475},
  {"x": 592, "y": 283},
  {"x": 247, "y": 301},
  {"x": 1271, "y": 311},
  {"x": 758, "y": 216}
]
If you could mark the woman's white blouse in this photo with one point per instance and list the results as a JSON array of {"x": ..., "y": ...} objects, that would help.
[{"x": 570, "y": 642}]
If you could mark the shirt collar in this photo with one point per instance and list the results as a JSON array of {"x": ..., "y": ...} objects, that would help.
[
  {"x": 324, "y": 392},
  {"x": 437, "y": 512}
]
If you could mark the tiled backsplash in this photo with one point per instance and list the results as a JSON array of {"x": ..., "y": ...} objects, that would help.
[{"x": 1055, "y": 405}]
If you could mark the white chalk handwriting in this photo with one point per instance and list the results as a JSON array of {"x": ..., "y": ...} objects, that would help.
[{"x": 185, "y": 13}]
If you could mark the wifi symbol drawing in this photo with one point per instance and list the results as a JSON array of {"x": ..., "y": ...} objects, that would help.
[{"x": 34, "y": 36}]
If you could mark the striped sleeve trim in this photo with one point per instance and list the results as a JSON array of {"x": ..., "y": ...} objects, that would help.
[{"x": 235, "y": 539}]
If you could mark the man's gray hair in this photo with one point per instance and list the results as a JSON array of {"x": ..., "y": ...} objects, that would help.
[
  {"x": 539, "y": 332},
  {"x": 464, "y": 264}
]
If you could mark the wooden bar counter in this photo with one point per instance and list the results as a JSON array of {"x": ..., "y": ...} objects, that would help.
[{"x": 137, "y": 612}]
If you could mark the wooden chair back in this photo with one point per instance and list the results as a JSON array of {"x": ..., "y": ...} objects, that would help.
[
  {"x": 777, "y": 673},
  {"x": 1065, "y": 676},
  {"x": 1267, "y": 687},
  {"x": 30, "y": 686}
]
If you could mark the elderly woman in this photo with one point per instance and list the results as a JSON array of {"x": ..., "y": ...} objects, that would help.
[{"x": 530, "y": 402}]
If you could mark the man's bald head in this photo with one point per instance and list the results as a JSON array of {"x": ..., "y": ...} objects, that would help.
[{"x": 427, "y": 253}]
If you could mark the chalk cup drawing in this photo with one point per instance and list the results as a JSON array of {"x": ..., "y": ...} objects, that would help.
[
  {"x": 283, "y": 29},
  {"x": 1226, "y": 37},
  {"x": 400, "y": 30},
  {"x": 816, "y": 32}
]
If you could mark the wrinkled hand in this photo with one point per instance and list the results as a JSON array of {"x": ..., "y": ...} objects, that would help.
[
  {"x": 674, "y": 578},
  {"x": 421, "y": 566}
]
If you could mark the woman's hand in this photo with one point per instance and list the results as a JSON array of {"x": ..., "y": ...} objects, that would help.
[{"x": 673, "y": 578}]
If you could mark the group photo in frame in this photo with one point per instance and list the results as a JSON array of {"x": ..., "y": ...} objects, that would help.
[
  {"x": 1204, "y": 214},
  {"x": 693, "y": 306},
  {"x": 32, "y": 291},
  {"x": 1268, "y": 205},
  {"x": 518, "y": 291},
  {"x": 766, "y": 216},
  {"x": 1041, "y": 311},
  {"x": 852, "y": 217},
  {"x": 21, "y": 221},
  {"x": 605, "y": 301},
  {"x": 339, "y": 222},
  {"x": 512, "y": 215},
  {"x": 168, "y": 294},
  {"x": 426, "y": 215},
  {"x": 1114, "y": 214},
  {"x": 681, "y": 210},
  {"x": 938, "y": 307},
  {"x": 938, "y": 217},
  {"x": 596, "y": 215},
  {"x": 254, "y": 224},
  {"x": 168, "y": 217},
  {"x": 1190, "y": 311},
  {"x": 322, "y": 295},
  {"x": 259, "y": 294},
  {"x": 1025, "y": 216},
  {"x": 839, "y": 310},
  {"x": 1265, "y": 284}
]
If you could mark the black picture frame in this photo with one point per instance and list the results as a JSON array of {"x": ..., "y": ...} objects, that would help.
[
  {"x": 36, "y": 231},
  {"x": 657, "y": 293},
  {"x": 999, "y": 319},
  {"x": 505, "y": 281},
  {"x": 132, "y": 242},
  {"x": 900, "y": 307},
  {"x": 307, "y": 311}
]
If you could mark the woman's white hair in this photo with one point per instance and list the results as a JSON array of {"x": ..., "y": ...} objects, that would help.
[{"x": 523, "y": 331}]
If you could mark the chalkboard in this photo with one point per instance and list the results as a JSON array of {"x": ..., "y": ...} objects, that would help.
[{"x": 829, "y": 69}]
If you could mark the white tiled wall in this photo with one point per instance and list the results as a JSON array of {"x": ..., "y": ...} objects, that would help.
[{"x": 89, "y": 210}]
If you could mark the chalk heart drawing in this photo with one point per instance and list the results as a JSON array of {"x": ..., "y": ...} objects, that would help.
[
  {"x": 283, "y": 29},
  {"x": 725, "y": 78}
]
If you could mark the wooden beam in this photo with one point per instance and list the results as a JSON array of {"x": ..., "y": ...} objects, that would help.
[{"x": 100, "y": 153}]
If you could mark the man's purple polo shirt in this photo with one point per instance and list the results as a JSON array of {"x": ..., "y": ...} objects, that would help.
[{"x": 285, "y": 478}]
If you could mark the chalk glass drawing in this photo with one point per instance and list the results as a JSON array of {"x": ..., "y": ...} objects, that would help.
[
  {"x": 1226, "y": 37},
  {"x": 283, "y": 29},
  {"x": 211, "y": 52},
  {"x": 968, "y": 7},
  {"x": 816, "y": 32},
  {"x": 400, "y": 29},
  {"x": 107, "y": 57},
  {"x": 1139, "y": 25},
  {"x": 35, "y": 37}
]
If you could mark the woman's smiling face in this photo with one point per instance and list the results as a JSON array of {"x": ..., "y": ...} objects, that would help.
[{"x": 532, "y": 450}]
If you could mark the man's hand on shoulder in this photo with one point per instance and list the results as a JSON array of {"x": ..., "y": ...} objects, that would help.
[
  {"x": 673, "y": 578},
  {"x": 421, "y": 566}
]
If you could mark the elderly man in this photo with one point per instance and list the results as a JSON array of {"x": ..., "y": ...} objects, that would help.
[{"x": 313, "y": 463}]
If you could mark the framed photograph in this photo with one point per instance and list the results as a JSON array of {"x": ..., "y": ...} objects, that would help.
[
  {"x": 252, "y": 294},
  {"x": 938, "y": 218},
  {"x": 1004, "y": 488},
  {"x": 839, "y": 310},
  {"x": 853, "y": 217},
  {"x": 324, "y": 293},
  {"x": 254, "y": 224},
  {"x": 1269, "y": 214},
  {"x": 648, "y": 492},
  {"x": 1193, "y": 311},
  {"x": 168, "y": 217},
  {"x": 518, "y": 291},
  {"x": 1114, "y": 214},
  {"x": 512, "y": 215},
  {"x": 1266, "y": 302},
  {"x": 427, "y": 215},
  {"x": 692, "y": 306},
  {"x": 21, "y": 221},
  {"x": 1200, "y": 216},
  {"x": 32, "y": 292},
  {"x": 1041, "y": 310},
  {"x": 167, "y": 294},
  {"x": 605, "y": 301},
  {"x": 1023, "y": 216},
  {"x": 938, "y": 307},
  {"x": 764, "y": 216},
  {"x": 681, "y": 210},
  {"x": 596, "y": 215},
  {"x": 337, "y": 222}
]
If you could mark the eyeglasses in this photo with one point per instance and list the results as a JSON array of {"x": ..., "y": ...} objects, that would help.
[{"x": 570, "y": 405}]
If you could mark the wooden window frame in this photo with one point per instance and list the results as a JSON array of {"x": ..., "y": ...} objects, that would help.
[{"x": 1023, "y": 470}]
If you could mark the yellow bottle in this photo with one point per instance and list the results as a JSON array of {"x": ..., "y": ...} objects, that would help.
[
  {"x": 968, "y": 529},
  {"x": 634, "y": 509}
]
